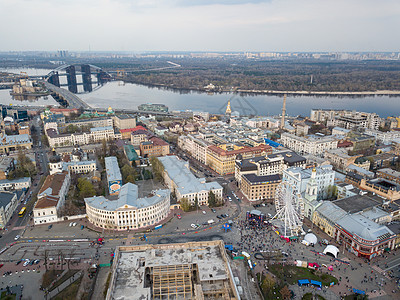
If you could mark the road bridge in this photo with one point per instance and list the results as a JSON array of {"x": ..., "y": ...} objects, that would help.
[{"x": 65, "y": 97}]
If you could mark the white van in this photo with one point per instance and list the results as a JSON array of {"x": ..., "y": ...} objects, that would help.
[{"x": 210, "y": 221}]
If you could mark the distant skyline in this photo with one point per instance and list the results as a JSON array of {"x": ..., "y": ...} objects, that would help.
[{"x": 200, "y": 25}]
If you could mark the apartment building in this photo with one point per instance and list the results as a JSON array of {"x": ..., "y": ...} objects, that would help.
[
  {"x": 10, "y": 143},
  {"x": 351, "y": 120},
  {"x": 195, "y": 145},
  {"x": 310, "y": 144},
  {"x": 95, "y": 135},
  {"x": 260, "y": 188},
  {"x": 15, "y": 184},
  {"x": 124, "y": 121},
  {"x": 389, "y": 174},
  {"x": 268, "y": 165},
  {"x": 340, "y": 159},
  {"x": 384, "y": 137},
  {"x": 8, "y": 204},
  {"x": 154, "y": 147},
  {"x": 222, "y": 158}
]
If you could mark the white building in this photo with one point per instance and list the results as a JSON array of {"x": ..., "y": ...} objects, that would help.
[
  {"x": 8, "y": 204},
  {"x": 76, "y": 163},
  {"x": 350, "y": 120},
  {"x": 324, "y": 178},
  {"x": 128, "y": 211},
  {"x": 179, "y": 179},
  {"x": 51, "y": 198},
  {"x": 95, "y": 135},
  {"x": 384, "y": 137},
  {"x": 264, "y": 122},
  {"x": 15, "y": 184},
  {"x": 310, "y": 144},
  {"x": 195, "y": 145}
]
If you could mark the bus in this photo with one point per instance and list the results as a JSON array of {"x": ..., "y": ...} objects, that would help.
[{"x": 22, "y": 211}]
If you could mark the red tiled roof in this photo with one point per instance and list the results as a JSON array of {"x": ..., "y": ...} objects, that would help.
[
  {"x": 158, "y": 142},
  {"x": 47, "y": 201},
  {"x": 133, "y": 129}
]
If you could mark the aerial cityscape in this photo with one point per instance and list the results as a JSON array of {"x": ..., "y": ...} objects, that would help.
[{"x": 227, "y": 149}]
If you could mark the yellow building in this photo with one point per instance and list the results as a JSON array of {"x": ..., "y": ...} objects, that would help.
[
  {"x": 222, "y": 158},
  {"x": 259, "y": 187}
]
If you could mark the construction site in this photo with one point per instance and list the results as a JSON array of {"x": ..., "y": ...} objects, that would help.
[{"x": 194, "y": 270}]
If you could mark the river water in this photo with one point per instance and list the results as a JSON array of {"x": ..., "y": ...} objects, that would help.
[{"x": 129, "y": 96}]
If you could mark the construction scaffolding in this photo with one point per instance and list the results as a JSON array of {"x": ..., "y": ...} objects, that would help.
[{"x": 172, "y": 282}]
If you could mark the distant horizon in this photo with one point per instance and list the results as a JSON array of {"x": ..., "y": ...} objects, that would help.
[
  {"x": 187, "y": 51},
  {"x": 181, "y": 25}
]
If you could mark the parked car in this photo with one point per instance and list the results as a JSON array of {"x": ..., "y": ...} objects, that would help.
[
  {"x": 204, "y": 212},
  {"x": 26, "y": 262},
  {"x": 179, "y": 216},
  {"x": 193, "y": 226},
  {"x": 17, "y": 237},
  {"x": 1, "y": 265},
  {"x": 50, "y": 226},
  {"x": 18, "y": 262},
  {"x": 219, "y": 217},
  {"x": 213, "y": 210}
]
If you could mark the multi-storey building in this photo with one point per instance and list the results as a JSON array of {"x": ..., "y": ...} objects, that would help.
[
  {"x": 15, "y": 184},
  {"x": 268, "y": 165},
  {"x": 153, "y": 107},
  {"x": 389, "y": 174},
  {"x": 6, "y": 165},
  {"x": 10, "y": 143},
  {"x": 256, "y": 187},
  {"x": 222, "y": 158},
  {"x": 184, "y": 184},
  {"x": 76, "y": 162},
  {"x": 387, "y": 189},
  {"x": 95, "y": 135},
  {"x": 114, "y": 177},
  {"x": 124, "y": 121},
  {"x": 311, "y": 144},
  {"x": 351, "y": 120},
  {"x": 51, "y": 198},
  {"x": 8, "y": 204},
  {"x": 128, "y": 211},
  {"x": 298, "y": 177},
  {"x": 139, "y": 136},
  {"x": 323, "y": 115},
  {"x": 385, "y": 137},
  {"x": 340, "y": 159},
  {"x": 154, "y": 147},
  {"x": 357, "y": 233},
  {"x": 195, "y": 145}
]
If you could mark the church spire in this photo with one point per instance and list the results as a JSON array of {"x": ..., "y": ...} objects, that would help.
[{"x": 228, "y": 110}]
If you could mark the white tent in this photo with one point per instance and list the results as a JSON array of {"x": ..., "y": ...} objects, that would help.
[
  {"x": 332, "y": 250},
  {"x": 311, "y": 238}
]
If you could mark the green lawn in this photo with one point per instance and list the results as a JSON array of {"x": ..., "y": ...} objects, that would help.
[
  {"x": 7, "y": 297},
  {"x": 292, "y": 274}
]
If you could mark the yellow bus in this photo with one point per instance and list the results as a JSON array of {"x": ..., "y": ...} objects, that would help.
[{"x": 22, "y": 211}]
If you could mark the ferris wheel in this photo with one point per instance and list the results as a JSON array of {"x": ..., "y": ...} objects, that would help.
[{"x": 289, "y": 209}]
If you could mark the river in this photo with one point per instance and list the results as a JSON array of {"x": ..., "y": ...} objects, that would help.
[{"x": 119, "y": 95}]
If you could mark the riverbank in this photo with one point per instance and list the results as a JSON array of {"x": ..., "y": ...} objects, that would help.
[{"x": 267, "y": 92}]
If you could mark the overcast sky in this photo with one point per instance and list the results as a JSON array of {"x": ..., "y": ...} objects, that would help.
[{"x": 200, "y": 25}]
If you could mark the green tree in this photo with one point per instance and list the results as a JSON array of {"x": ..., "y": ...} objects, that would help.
[
  {"x": 158, "y": 168},
  {"x": 24, "y": 167},
  {"x": 86, "y": 188},
  {"x": 212, "y": 200},
  {"x": 185, "y": 204},
  {"x": 130, "y": 178},
  {"x": 45, "y": 140}
]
